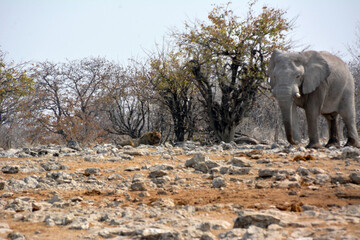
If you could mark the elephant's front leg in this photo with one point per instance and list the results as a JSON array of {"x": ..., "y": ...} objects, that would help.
[
  {"x": 312, "y": 122},
  {"x": 334, "y": 139}
]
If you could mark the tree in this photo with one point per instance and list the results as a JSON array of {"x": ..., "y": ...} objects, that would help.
[
  {"x": 14, "y": 85},
  {"x": 66, "y": 97},
  {"x": 171, "y": 80},
  {"x": 354, "y": 65},
  {"x": 126, "y": 102},
  {"x": 50, "y": 111},
  {"x": 16, "y": 88},
  {"x": 229, "y": 61},
  {"x": 85, "y": 79}
]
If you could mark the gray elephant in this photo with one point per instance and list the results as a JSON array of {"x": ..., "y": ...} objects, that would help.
[{"x": 319, "y": 82}]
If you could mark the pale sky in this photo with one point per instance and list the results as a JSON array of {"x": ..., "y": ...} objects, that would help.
[{"x": 56, "y": 30}]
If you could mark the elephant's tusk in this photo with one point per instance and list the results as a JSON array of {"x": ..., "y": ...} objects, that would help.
[{"x": 298, "y": 95}]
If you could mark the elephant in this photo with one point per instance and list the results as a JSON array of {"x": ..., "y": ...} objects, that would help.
[{"x": 320, "y": 83}]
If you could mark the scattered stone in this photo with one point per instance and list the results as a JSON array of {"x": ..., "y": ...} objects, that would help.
[
  {"x": 317, "y": 170},
  {"x": 156, "y": 173},
  {"x": 76, "y": 199},
  {"x": 52, "y": 165},
  {"x": 4, "y": 228},
  {"x": 59, "y": 219},
  {"x": 135, "y": 152},
  {"x": 246, "y": 140},
  {"x": 93, "y": 158},
  {"x": 286, "y": 183},
  {"x": 201, "y": 167},
  {"x": 105, "y": 233},
  {"x": 90, "y": 171},
  {"x": 67, "y": 150},
  {"x": 302, "y": 171},
  {"x": 208, "y": 236},
  {"x": 16, "y": 236},
  {"x": 157, "y": 233},
  {"x": 20, "y": 204},
  {"x": 74, "y": 145},
  {"x": 31, "y": 181},
  {"x": 254, "y": 233},
  {"x": 262, "y": 220},
  {"x": 218, "y": 182},
  {"x": 233, "y": 170},
  {"x": 198, "y": 158},
  {"x": 240, "y": 162},
  {"x": 122, "y": 157},
  {"x": 7, "y": 194},
  {"x": 2, "y": 185},
  {"x": 201, "y": 163},
  {"x": 267, "y": 172},
  {"x": 55, "y": 198},
  {"x": 138, "y": 186},
  {"x": 10, "y": 169},
  {"x": 151, "y": 201},
  {"x": 80, "y": 223},
  {"x": 355, "y": 177},
  {"x": 164, "y": 202},
  {"x": 227, "y": 146},
  {"x": 59, "y": 177},
  {"x": 115, "y": 176},
  {"x": 350, "y": 152},
  {"x": 340, "y": 179},
  {"x": 321, "y": 179},
  {"x": 132, "y": 169},
  {"x": 262, "y": 184}
]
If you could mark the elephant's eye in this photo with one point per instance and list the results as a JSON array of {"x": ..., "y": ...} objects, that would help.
[{"x": 298, "y": 76}]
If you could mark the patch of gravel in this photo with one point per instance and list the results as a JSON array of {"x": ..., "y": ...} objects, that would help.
[{"x": 159, "y": 192}]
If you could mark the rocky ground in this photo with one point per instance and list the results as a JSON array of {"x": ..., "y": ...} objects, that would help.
[{"x": 226, "y": 191}]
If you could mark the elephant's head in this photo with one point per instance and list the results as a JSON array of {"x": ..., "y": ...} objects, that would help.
[{"x": 293, "y": 75}]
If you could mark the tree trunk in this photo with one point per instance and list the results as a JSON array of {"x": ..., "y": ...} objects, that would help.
[
  {"x": 179, "y": 131},
  {"x": 179, "y": 125},
  {"x": 225, "y": 133}
]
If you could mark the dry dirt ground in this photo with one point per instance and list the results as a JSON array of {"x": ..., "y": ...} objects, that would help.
[{"x": 193, "y": 188}]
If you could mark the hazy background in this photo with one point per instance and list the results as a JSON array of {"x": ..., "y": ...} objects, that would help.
[{"x": 57, "y": 30}]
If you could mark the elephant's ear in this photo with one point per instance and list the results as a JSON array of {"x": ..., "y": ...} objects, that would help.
[
  {"x": 316, "y": 71},
  {"x": 274, "y": 55}
]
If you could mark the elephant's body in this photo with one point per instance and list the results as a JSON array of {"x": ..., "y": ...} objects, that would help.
[{"x": 319, "y": 82}]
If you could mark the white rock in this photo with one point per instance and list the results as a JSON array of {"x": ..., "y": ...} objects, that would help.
[
  {"x": 263, "y": 220},
  {"x": 321, "y": 179},
  {"x": 254, "y": 233},
  {"x": 79, "y": 223},
  {"x": 267, "y": 172},
  {"x": 355, "y": 177},
  {"x": 197, "y": 158},
  {"x": 218, "y": 182},
  {"x": 240, "y": 162}
]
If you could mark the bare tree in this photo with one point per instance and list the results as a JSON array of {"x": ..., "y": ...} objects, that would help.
[
  {"x": 66, "y": 97},
  {"x": 50, "y": 91},
  {"x": 127, "y": 100},
  {"x": 354, "y": 64}
]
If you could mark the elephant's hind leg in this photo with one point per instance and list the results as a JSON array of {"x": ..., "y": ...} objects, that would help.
[
  {"x": 348, "y": 117},
  {"x": 332, "y": 120}
]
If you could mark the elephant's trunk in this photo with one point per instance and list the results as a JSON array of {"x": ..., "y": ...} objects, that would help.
[
  {"x": 285, "y": 94},
  {"x": 288, "y": 111}
]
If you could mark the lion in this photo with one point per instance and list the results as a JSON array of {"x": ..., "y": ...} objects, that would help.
[{"x": 149, "y": 138}]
